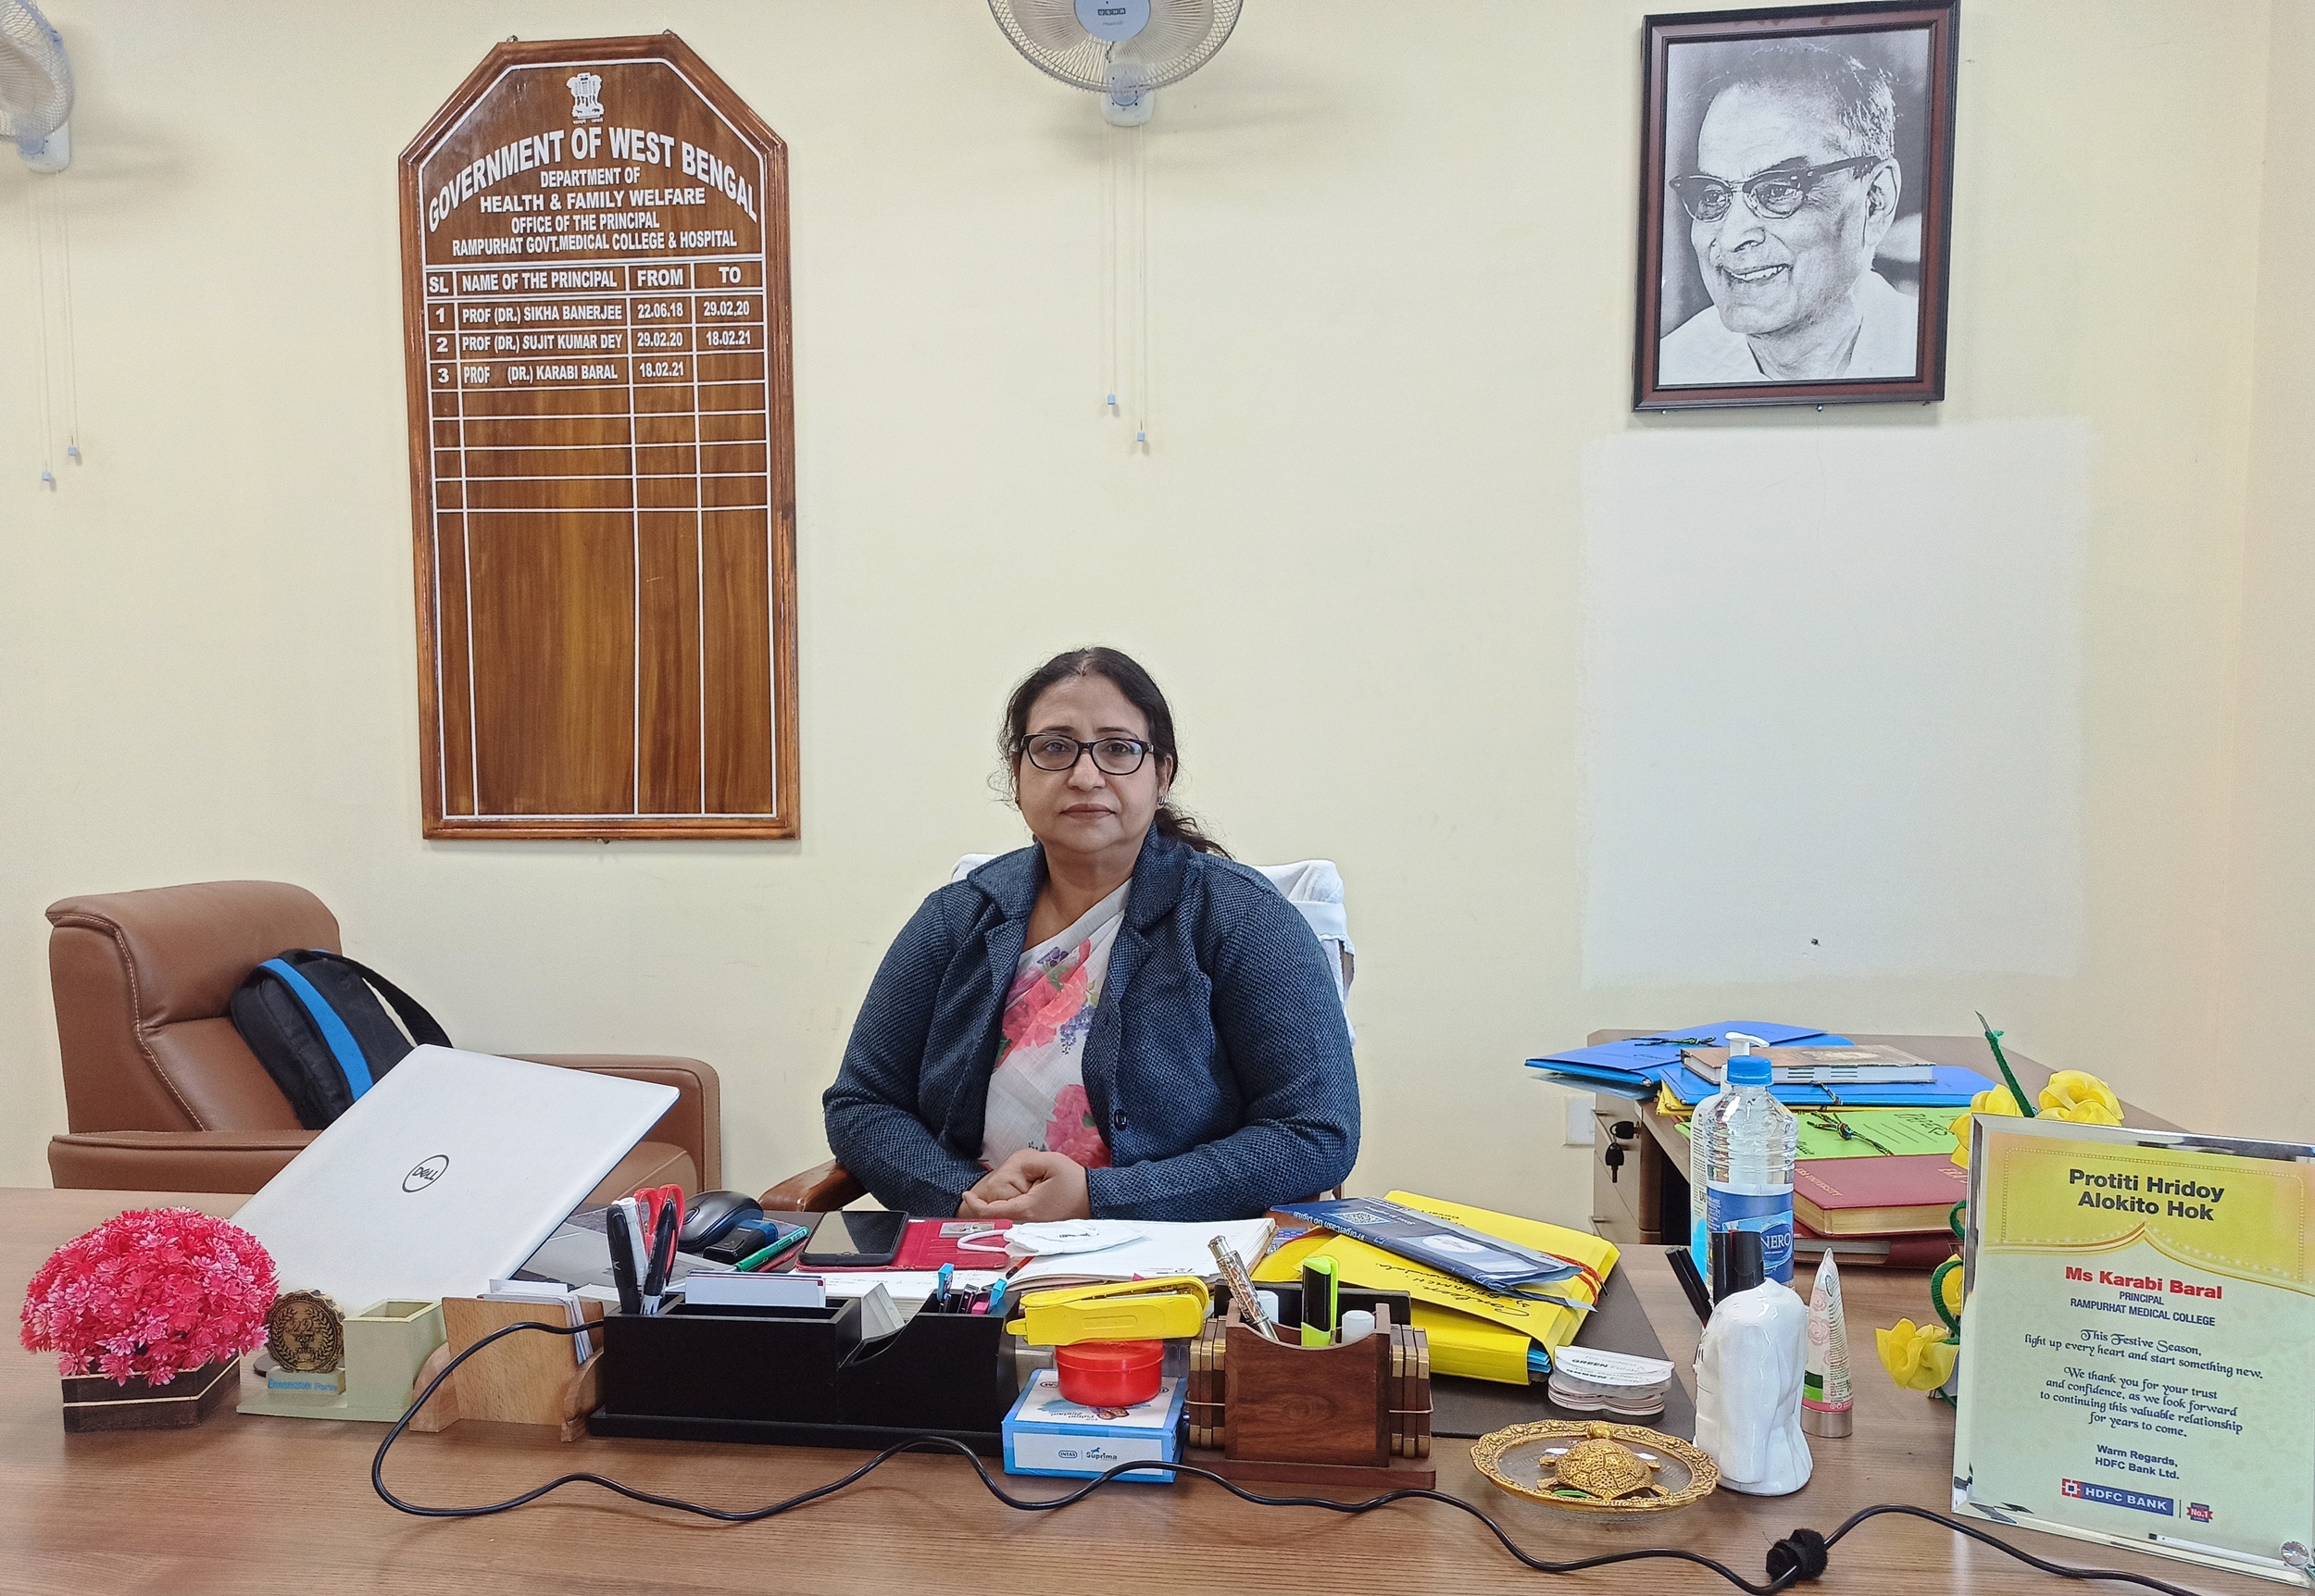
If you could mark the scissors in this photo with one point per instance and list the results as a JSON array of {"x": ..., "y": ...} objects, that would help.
[
  {"x": 662, "y": 1214},
  {"x": 653, "y": 1199}
]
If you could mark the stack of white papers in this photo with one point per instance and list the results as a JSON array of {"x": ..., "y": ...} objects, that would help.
[{"x": 1143, "y": 1249}]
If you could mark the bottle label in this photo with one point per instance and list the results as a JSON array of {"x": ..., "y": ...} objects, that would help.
[{"x": 1770, "y": 1213}]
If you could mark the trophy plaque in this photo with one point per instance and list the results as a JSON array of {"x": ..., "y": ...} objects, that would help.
[{"x": 305, "y": 1340}]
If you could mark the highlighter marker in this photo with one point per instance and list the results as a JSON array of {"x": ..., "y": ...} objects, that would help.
[
  {"x": 781, "y": 1245},
  {"x": 1318, "y": 1301}
]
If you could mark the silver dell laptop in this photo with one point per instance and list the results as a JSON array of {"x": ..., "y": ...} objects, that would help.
[{"x": 447, "y": 1174}]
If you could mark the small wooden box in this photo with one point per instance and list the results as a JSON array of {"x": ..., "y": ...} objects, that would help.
[
  {"x": 1355, "y": 1415},
  {"x": 1308, "y": 1404}
]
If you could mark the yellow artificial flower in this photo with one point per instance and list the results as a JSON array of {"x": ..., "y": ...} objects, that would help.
[
  {"x": 1995, "y": 1100},
  {"x": 1950, "y": 1288},
  {"x": 2081, "y": 1099},
  {"x": 1919, "y": 1357}
]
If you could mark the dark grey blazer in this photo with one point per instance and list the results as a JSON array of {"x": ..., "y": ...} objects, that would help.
[{"x": 1218, "y": 1065}]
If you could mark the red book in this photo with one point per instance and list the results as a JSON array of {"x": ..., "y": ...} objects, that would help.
[
  {"x": 1922, "y": 1250},
  {"x": 1897, "y": 1196}
]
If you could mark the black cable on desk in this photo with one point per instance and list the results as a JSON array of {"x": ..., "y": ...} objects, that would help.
[{"x": 1801, "y": 1556}]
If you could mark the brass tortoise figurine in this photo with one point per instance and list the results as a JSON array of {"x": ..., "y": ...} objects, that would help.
[
  {"x": 1599, "y": 1468},
  {"x": 1589, "y": 1467}
]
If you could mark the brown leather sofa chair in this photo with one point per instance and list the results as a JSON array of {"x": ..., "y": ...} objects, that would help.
[
  {"x": 823, "y": 1189},
  {"x": 162, "y": 1094}
]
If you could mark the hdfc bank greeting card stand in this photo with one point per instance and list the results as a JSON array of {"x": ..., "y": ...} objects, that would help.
[{"x": 2138, "y": 1352}]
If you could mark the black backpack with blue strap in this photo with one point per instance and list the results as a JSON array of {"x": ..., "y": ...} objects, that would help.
[{"x": 315, "y": 1021}]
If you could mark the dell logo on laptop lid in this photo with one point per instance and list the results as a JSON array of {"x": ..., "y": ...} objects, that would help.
[{"x": 426, "y": 1174}]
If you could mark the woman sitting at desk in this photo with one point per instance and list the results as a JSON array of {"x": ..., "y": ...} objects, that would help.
[{"x": 1118, "y": 1022}]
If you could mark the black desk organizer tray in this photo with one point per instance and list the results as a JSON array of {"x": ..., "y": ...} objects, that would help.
[{"x": 803, "y": 1376}]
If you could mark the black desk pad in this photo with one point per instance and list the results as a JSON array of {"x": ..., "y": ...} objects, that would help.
[{"x": 1465, "y": 1409}]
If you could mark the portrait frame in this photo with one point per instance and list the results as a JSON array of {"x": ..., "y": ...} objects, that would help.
[{"x": 1699, "y": 340}]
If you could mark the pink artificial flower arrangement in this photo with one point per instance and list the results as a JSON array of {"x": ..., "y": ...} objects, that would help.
[{"x": 152, "y": 1292}]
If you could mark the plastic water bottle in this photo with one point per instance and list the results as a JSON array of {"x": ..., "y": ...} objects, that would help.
[
  {"x": 1699, "y": 1180},
  {"x": 1749, "y": 1141},
  {"x": 1700, "y": 1165}
]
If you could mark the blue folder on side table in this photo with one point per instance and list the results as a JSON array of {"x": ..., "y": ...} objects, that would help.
[{"x": 1635, "y": 1067}]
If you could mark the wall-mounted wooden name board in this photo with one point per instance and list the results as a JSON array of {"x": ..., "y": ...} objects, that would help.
[{"x": 595, "y": 250}]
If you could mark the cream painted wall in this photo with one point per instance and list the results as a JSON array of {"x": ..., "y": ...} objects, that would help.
[
  {"x": 1391, "y": 296},
  {"x": 2272, "y": 952}
]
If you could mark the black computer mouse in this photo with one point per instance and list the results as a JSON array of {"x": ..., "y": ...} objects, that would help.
[{"x": 709, "y": 1215}]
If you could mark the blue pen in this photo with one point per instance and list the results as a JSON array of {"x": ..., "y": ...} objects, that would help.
[
  {"x": 940, "y": 1292},
  {"x": 997, "y": 1299}
]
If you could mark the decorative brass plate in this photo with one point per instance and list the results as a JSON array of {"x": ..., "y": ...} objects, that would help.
[{"x": 1524, "y": 1458}]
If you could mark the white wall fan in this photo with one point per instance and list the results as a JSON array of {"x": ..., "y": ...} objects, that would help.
[
  {"x": 35, "y": 87},
  {"x": 1122, "y": 50},
  {"x": 35, "y": 103}
]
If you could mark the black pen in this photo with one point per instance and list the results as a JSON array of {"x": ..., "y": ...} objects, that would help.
[{"x": 623, "y": 1259}]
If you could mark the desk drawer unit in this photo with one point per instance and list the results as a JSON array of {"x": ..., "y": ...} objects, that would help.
[{"x": 1634, "y": 1203}]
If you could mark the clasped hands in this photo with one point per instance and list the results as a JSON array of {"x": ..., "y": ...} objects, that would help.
[{"x": 1029, "y": 1187}]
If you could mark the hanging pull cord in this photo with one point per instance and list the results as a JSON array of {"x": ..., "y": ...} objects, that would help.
[
  {"x": 38, "y": 237},
  {"x": 72, "y": 325},
  {"x": 1800, "y": 1556},
  {"x": 1141, "y": 285},
  {"x": 1112, "y": 186}
]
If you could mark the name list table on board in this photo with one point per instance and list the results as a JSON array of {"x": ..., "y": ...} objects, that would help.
[
  {"x": 594, "y": 245},
  {"x": 624, "y": 399}
]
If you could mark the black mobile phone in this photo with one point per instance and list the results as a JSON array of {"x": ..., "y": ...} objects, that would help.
[{"x": 864, "y": 1239}]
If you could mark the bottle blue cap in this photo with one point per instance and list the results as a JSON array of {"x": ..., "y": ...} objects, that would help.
[{"x": 1747, "y": 1069}]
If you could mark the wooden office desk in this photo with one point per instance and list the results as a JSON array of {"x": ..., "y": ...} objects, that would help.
[{"x": 248, "y": 1505}]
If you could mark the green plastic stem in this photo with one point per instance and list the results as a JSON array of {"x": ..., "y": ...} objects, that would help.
[{"x": 1993, "y": 1039}]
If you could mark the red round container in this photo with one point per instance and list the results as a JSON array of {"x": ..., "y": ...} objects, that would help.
[{"x": 1109, "y": 1374}]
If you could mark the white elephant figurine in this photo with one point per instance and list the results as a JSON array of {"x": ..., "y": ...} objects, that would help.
[{"x": 1748, "y": 1380}]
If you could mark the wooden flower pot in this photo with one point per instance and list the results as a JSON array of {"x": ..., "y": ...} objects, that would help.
[{"x": 93, "y": 1401}]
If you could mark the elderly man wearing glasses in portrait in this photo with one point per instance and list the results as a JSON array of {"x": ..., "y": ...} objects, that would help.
[
  {"x": 1796, "y": 184},
  {"x": 1116, "y": 1022}
]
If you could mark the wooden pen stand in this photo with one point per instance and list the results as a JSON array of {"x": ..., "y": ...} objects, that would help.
[
  {"x": 1348, "y": 1414},
  {"x": 528, "y": 1378}
]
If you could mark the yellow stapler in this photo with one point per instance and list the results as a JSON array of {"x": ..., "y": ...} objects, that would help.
[{"x": 1121, "y": 1311}]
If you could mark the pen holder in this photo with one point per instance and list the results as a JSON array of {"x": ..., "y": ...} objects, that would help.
[
  {"x": 803, "y": 1376},
  {"x": 524, "y": 1379},
  {"x": 385, "y": 1346},
  {"x": 1307, "y": 1404},
  {"x": 1356, "y": 1414}
]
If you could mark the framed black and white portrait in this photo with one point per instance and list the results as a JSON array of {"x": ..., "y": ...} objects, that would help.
[{"x": 1795, "y": 206}]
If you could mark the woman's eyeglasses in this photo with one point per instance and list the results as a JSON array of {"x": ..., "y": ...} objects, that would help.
[
  {"x": 1771, "y": 195},
  {"x": 1112, "y": 755}
]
